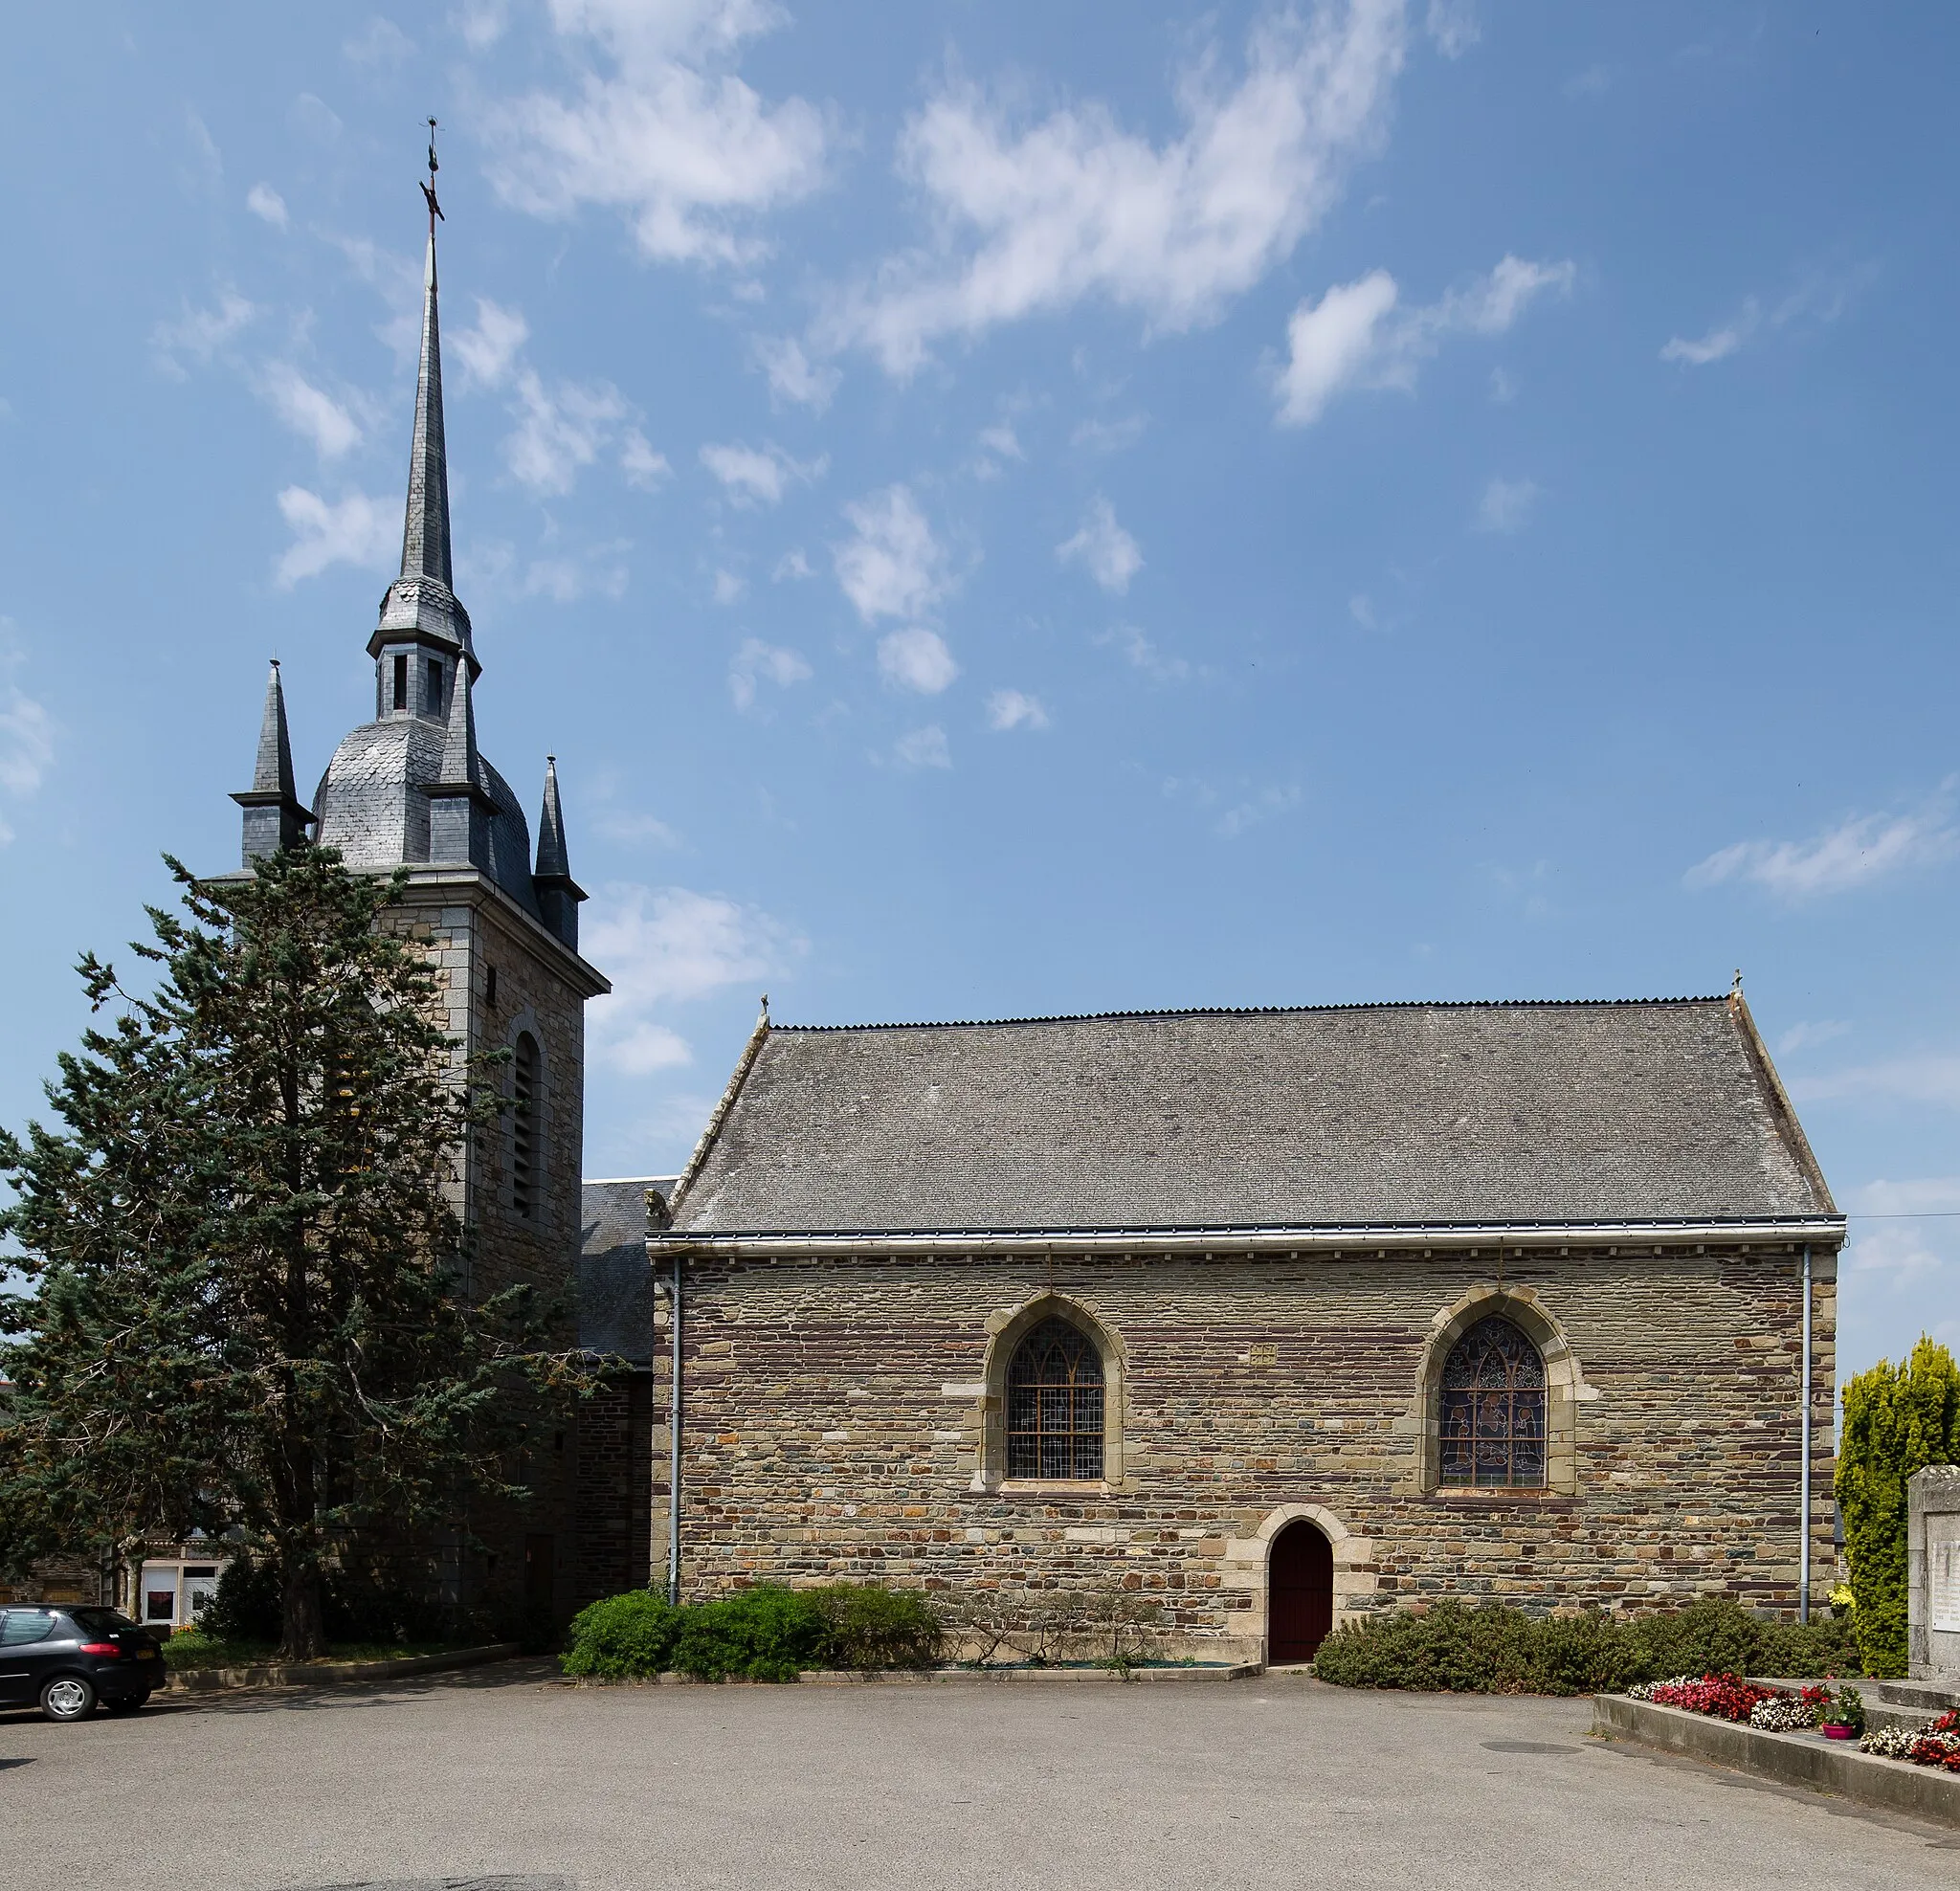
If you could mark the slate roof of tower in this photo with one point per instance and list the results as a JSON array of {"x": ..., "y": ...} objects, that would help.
[
  {"x": 1369, "y": 1114},
  {"x": 373, "y": 804}
]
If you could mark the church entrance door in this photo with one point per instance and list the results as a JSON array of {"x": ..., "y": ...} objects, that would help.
[{"x": 1299, "y": 1593}]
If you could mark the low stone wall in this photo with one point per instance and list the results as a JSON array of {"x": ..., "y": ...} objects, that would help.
[
  {"x": 1791, "y": 1759},
  {"x": 325, "y": 1673}
]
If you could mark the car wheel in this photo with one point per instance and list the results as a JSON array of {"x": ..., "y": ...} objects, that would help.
[
  {"x": 68, "y": 1697},
  {"x": 128, "y": 1704}
]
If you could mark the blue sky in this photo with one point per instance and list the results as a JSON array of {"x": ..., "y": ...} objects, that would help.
[{"x": 1006, "y": 509}]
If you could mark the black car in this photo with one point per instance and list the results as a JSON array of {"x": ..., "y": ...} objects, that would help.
[{"x": 65, "y": 1659}]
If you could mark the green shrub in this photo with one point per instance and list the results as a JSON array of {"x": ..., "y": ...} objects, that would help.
[
  {"x": 867, "y": 1627},
  {"x": 1457, "y": 1648},
  {"x": 1896, "y": 1422},
  {"x": 760, "y": 1633},
  {"x": 767, "y": 1632},
  {"x": 622, "y": 1637}
]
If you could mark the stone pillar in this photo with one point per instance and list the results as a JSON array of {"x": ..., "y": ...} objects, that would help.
[{"x": 1932, "y": 1564}]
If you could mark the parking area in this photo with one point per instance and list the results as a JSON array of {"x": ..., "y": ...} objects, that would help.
[{"x": 501, "y": 1778}]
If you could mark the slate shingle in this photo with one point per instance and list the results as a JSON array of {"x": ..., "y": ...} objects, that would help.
[{"x": 1640, "y": 1110}]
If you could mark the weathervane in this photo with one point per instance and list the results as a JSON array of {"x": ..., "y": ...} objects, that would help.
[{"x": 429, "y": 189}]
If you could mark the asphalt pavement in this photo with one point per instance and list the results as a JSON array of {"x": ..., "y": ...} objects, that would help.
[{"x": 502, "y": 1780}]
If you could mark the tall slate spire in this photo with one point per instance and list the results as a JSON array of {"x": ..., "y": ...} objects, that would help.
[
  {"x": 421, "y": 604},
  {"x": 274, "y": 815},
  {"x": 558, "y": 893},
  {"x": 425, "y": 529}
]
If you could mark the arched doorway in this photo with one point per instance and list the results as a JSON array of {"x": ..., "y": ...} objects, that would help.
[{"x": 1299, "y": 1593}]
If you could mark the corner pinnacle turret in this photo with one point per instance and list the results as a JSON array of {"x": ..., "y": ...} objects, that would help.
[{"x": 274, "y": 815}]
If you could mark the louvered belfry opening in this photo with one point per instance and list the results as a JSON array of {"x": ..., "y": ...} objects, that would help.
[
  {"x": 524, "y": 1139},
  {"x": 1055, "y": 1405},
  {"x": 1493, "y": 1409}
]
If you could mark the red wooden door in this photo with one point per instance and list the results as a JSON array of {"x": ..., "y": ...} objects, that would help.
[{"x": 1299, "y": 1593}]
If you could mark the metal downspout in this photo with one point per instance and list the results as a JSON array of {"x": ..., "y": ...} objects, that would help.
[
  {"x": 673, "y": 1451},
  {"x": 1803, "y": 1579}
]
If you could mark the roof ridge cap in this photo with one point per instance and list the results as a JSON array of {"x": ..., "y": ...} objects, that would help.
[{"x": 1267, "y": 1010}]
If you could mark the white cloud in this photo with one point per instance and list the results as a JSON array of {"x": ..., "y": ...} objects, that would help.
[
  {"x": 1854, "y": 853},
  {"x": 597, "y": 572},
  {"x": 1144, "y": 656},
  {"x": 792, "y": 564},
  {"x": 1033, "y": 219},
  {"x": 1928, "y": 1077},
  {"x": 923, "y": 749},
  {"x": 1806, "y": 1035},
  {"x": 636, "y": 830},
  {"x": 1935, "y": 1195},
  {"x": 1719, "y": 343},
  {"x": 483, "y": 24},
  {"x": 1821, "y": 298},
  {"x": 1012, "y": 709},
  {"x": 667, "y": 946},
  {"x": 1453, "y": 25},
  {"x": 892, "y": 566},
  {"x": 356, "y": 530},
  {"x": 671, "y": 137},
  {"x": 641, "y": 465},
  {"x": 560, "y": 430},
  {"x": 381, "y": 45},
  {"x": 1898, "y": 1253},
  {"x": 1506, "y": 505},
  {"x": 792, "y": 374},
  {"x": 308, "y": 410},
  {"x": 728, "y": 588},
  {"x": 1103, "y": 548},
  {"x": 27, "y": 732},
  {"x": 490, "y": 349},
  {"x": 1109, "y": 435},
  {"x": 1349, "y": 338},
  {"x": 1261, "y": 807},
  {"x": 266, "y": 202},
  {"x": 916, "y": 659},
  {"x": 752, "y": 477},
  {"x": 1003, "y": 441},
  {"x": 760, "y": 662},
  {"x": 200, "y": 333}
]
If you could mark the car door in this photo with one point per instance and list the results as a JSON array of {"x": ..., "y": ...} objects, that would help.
[{"x": 25, "y": 1635}]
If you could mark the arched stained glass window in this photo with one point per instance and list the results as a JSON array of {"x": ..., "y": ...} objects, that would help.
[
  {"x": 1493, "y": 1407},
  {"x": 1055, "y": 1405}
]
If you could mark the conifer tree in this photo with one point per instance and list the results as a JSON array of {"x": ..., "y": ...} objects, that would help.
[
  {"x": 1897, "y": 1420},
  {"x": 248, "y": 1305}
]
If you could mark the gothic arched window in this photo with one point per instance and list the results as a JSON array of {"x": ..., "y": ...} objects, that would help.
[
  {"x": 524, "y": 1140},
  {"x": 1055, "y": 1405},
  {"x": 1492, "y": 1429}
]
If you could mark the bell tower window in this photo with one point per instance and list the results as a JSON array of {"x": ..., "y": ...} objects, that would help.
[
  {"x": 524, "y": 1139},
  {"x": 401, "y": 684},
  {"x": 435, "y": 686}
]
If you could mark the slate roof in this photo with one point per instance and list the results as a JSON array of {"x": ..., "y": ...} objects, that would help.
[
  {"x": 372, "y": 803},
  {"x": 1331, "y": 1116},
  {"x": 613, "y": 1282}
]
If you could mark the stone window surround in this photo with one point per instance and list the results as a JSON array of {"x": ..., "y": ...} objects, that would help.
[
  {"x": 1565, "y": 1390},
  {"x": 1005, "y": 1332}
]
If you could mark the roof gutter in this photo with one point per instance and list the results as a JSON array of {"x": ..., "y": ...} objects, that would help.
[{"x": 1825, "y": 1231}]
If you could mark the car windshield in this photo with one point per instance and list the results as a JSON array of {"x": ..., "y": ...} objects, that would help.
[{"x": 98, "y": 1621}]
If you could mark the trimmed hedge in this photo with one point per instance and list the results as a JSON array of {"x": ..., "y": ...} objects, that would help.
[
  {"x": 1457, "y": 1648},
  {"x": 1897, "y": 1420},
  {"x": 767, "y": 1632}
]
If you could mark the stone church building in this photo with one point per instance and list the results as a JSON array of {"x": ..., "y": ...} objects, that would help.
[
  {"x": 1266, "y": 1317},
  {"x": 1272, "y": 1316}
]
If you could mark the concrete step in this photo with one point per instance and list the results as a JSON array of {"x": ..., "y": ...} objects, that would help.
[
  {"x": 1938, "y": 1696},
  {"x": 1885, "y": 1713}
]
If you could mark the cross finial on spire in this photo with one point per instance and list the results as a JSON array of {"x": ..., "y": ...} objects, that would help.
[{"x": 429, "y": 189}]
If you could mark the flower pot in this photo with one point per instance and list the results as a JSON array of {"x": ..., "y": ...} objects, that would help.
[{"x": 1838, "y": 1733}]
